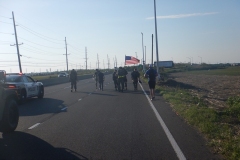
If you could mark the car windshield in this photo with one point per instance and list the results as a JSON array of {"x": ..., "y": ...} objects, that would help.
[{"x": 13, "y": 78}]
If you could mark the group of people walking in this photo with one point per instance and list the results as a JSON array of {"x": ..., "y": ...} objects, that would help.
[{"x": 119, "y": 78}]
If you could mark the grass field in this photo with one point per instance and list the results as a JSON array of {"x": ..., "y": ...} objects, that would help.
[{"x": 230, "y": 71}]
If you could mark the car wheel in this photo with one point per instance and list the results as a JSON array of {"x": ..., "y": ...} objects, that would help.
[
  {"x": 10, "y": 117},
  {"x": 23, "y": 97},
  {"x": 41, "y": 92}
]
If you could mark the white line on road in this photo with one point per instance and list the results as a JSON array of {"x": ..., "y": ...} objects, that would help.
[
  {"x": 80, "y": 99},
  {"x": 89, "y": 93},
  {"x": 34, "y": 126},
  {"x": 64, "y": 108},
  {"x": 166, "y": 130}
]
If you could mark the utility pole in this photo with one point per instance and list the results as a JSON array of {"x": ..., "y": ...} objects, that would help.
[
  {"x": 116, "y": 61},
  {"x": 143, "y": 54},
  {"x": 152, "y": 49},
  {"x": 108, "y": 61},
  {"x": 103, "y": 64},
  {"x": 66, "y": 54},
  {"x": 136, "y": 55},
  {"x": 156, "y": 35},
  {"x": 86, "y": 56},
  {"x": 97, "y": 62},
  {"x": 19, "y": 60},
  {"x": 113, "y": 63},
  {"x": 201, "y": 59}
]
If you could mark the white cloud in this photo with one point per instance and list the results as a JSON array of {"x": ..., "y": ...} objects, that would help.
[{"x": 183, "y": 15}]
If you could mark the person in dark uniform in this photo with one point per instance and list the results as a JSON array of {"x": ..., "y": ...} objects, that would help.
[
  {"x": 151, "y": 74},
  {"x": 73, "y": 80},
  {"x": 135, "y": 78},
  {"x": 96, "y": 77},
  {"x": 114, "y": 77},
  {"x": 125, "y": 78},
  {"x": 121, "y": 75},
  {"x": 100, "y": 80}
]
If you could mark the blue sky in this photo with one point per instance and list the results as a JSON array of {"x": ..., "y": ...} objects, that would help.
[{"x": 207, "y": 30}]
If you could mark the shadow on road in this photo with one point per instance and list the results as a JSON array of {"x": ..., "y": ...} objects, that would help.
[
  {"x": 20, "y": 145},
  {"x": 36, "y": 106},
  {"x": 98, "y": 92}
]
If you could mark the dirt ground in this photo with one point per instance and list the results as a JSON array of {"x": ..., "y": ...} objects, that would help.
[{"x": 213, "y": 89}]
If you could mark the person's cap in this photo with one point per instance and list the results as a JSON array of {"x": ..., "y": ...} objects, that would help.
[{"x": 150, "y": 65}]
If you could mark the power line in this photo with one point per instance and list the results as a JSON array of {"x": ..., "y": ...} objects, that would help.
[
  {"x": 42, "y": 51},
  {"x": 6, "y": 22},
  {"x": 38, "y": 52},
  {"x": 77, "y": 49},
  {"x": 39, "y": 44},
  {"x": 21, "y": 25},
  {"x": 6, "y": 41},
  {"x": 7, "y": 53},
  {"x": 6, "y": 33},
  {"x": 39, "y": 58},
  {"x": 39, "y": 35},
  {"x": 5, "y": 17},
  {"x": 30, "y": 21}
]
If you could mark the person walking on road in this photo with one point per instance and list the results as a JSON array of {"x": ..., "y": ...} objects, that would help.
[
  {"x": 115, "y": 78},
  {"x": 121, "y": 77},
  {"x": 100, "y": 79},
  {"x": 125, "y": 78},
  {"x": 135, "y": 78},
  {"x": 96, "y": 78},
  {"x": 73, "y": 80},
  {"x": 151, "y": 74}
]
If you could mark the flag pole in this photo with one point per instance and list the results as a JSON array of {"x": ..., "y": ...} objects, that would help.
[{"x": 125, "y": 60}]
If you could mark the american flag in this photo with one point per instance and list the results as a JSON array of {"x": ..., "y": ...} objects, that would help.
[{"x": 131, "y": 60}]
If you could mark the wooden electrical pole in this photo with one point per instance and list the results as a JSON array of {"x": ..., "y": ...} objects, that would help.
[
  {"x": 66, "y": 54},
  {"x": 19, "y": 60},
  {"x": 86, "y": 56}
]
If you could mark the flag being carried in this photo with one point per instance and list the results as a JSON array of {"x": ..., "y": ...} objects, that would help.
[{"x": 131, "y": 60}]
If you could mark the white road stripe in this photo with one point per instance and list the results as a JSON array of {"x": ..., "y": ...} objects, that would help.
[
  {"x": 64, "y": 108},
  {"x": 34, "y": 126},
  {"x": 80, "y": 99},
  {"x": 166, "y": 130}
]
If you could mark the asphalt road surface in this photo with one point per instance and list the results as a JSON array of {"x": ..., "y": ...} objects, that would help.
[{"x": 101, "y": 125}]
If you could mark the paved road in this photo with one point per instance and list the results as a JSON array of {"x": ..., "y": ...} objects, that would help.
[{"x": 93, "y": 124}]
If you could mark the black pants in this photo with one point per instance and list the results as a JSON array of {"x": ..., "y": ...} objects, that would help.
[
  {"x": 96, "y": 83},
  {"x": 135, "y": 83},
  {"x": 125, "y": 82},
  {"x": 120, "y": 84},
  {"x": 73, "y": 85},
  {"x": 101, "y": 85},
  {"x": 115, "y": 83}
]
